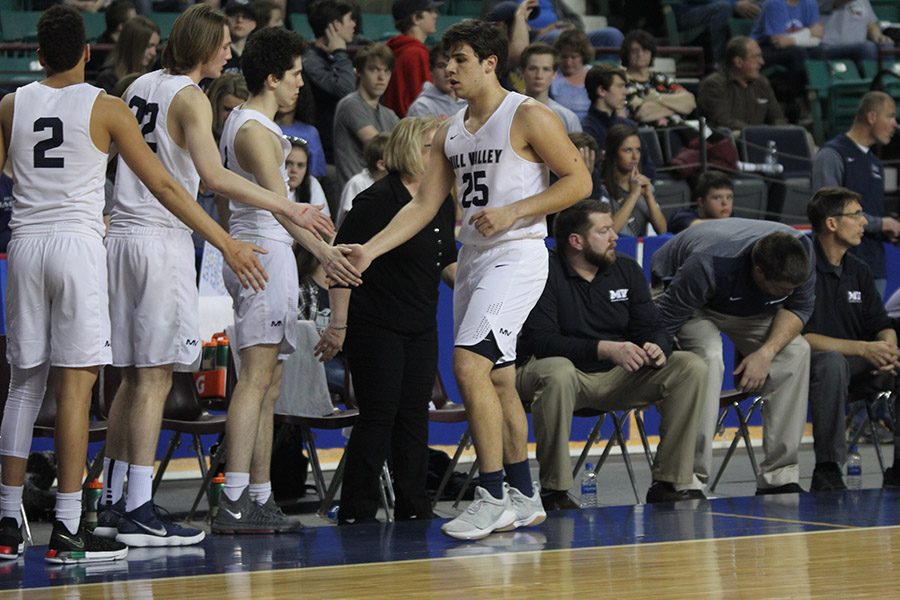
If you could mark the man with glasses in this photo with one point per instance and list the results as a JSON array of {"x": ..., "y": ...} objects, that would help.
[
  {"x": 753, "y": 281},
  {"x": 847, "y": 160},
  {"x": 854, "y": 345}
]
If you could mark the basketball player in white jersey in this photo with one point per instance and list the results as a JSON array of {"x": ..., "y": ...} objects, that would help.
[
  {"x": 154, "y": 304},
  {"x": 265, "y": 322},
  {"x": 57, "y": 134},
  {"x": 498, "y": 152}
]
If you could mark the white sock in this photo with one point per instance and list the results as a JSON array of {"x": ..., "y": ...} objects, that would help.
[
  {"x": 113, "y": 480},
  {"x": 140, "y": 486},
  {"x": 235, "y": 484},
  {"x": 11, "y": 502},
  {"x": 260, "y": 492},
  {"x": 68, "y": 509}
]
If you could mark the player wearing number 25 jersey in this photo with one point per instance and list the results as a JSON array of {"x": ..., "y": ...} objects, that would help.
[{"x": 57, "y": 134}]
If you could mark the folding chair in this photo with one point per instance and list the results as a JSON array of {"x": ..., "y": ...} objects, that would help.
[
  {"x": 731, "y": 400},
  {"x": 877, "y": 393},
  {"x": 445, "y": 411}
]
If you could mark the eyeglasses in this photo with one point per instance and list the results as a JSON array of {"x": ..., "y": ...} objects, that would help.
[
  {"x": 855, "y": 214},
  {"x": 296, "y": 141}
]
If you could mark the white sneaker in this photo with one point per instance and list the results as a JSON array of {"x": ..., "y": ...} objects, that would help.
[
  {"x": 482, "y": 517},
  {"x": 529, "y": 510}
]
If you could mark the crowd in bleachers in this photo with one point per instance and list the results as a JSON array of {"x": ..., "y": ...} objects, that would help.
[{"x": 641, "y": 129}]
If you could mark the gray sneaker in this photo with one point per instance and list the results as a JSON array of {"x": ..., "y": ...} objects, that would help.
[
  {"x": 241, "y": 516},
  {"x": 482, "y": 517},
  {"x": 529, "y": 510},
  {"x": 276, "y": 515}
]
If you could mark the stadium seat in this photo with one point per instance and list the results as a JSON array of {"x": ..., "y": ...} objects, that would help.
[{"x": 19, "y": 25}]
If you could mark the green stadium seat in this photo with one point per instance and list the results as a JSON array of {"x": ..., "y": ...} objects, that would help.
[
  {"x": 300, "y": 24},
  {"x": 18, "y": 25},
  {"x": 165, "y": 20},
  {"x": 94, "y": 25},
  {"x": 20, "y": 70}
]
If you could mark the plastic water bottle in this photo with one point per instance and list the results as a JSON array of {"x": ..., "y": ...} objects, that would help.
[
  {"x": 764, "y": 168},
  {"x": 216, "y": 489},
  {"x": 854, "y": 469},
  {"x": 771, "y": 153},
  {"x": 588, "y": 487},
  {"x": 92, "y": 503}
]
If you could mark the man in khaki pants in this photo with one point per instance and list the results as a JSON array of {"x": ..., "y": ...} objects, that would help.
[{"x": 595, "y": 340}]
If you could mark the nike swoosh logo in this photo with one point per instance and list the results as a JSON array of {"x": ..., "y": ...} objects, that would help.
[
  {"x": 849, "y": 160},
  {"x": 236, "y": 515},
  {"x": 735, "y": 298},
  {"x": 76, "y": 543},
  {"x": 498, "y": 266},
  {"x": 453, "y": 137},
  {"x": 161, "y": 532}
]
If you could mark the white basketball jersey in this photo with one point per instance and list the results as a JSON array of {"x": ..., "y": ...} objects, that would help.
[
  {"x": 490, "y": 174},
  {"x": 150, "y": 98},
  {"x": 249, "y": 221},
  {"x": 59, "y": 173}
]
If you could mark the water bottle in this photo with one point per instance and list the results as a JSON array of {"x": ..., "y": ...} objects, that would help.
[
  {"x": 765, "y": 168},
  {"x": 854, "y": 469},
  {"x": 91, "y": 504},
  {"x": 216, "y": 489},
  {"x": 771, "y": 153},
  {"x": 588, "y": 487}
]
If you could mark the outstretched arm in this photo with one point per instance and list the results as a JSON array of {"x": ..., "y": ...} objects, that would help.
[{"x": 116, "y": 123}]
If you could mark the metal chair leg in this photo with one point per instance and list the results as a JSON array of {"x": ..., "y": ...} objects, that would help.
[
  {"x": 625, "y": 456},
  {"x": 164, "y": 463},
  {"x": 386, "y": 489},
  {"x": 642, "y": 431},
  {"x": 591, "y": 440},
  {"x": 462, "y": 490},
  {"x": 464, "y": 442},
  {"x": 28, "y": 538},
  {"x": 745, "y": 432},
  {"x": 309, "y": 440},
  {"x": 333, "y": 487},
  {"x": 204, "y": 486},
  {"x": 734, "y": 443},
  {"x": 870, "y": 413}
]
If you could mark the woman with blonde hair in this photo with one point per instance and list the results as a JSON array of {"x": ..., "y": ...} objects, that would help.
[
  {"x": 391, "y": 333},
  {"x": 227, "y": 92},
  {"x": 135, "y": 52}
]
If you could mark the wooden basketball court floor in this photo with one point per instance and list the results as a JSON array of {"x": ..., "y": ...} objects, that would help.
[{"x": 793, "y": 546}]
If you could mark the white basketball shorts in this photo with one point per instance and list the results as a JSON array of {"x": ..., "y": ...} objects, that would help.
[
  {"x": 496, "y": 288},
  {"x": 270, "y": 315},
  {"x": 154, "y": 307},
  {"x": 57, "y": 304}
]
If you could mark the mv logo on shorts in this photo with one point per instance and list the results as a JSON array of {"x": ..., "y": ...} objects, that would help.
[
  {"x": 854, "y": 297},
  {"x": 618, "y": 295},
  {"x": 190, "y": 342},
  {"x": 276, "y": 324},
  {"x": 505, "y": 332}
]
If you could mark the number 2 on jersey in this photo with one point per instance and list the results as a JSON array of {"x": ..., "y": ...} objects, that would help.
[
  {"x": 146, "y": 113},
  {"x": 476, "y": 191},
  {"x": 41, "y": 160}
]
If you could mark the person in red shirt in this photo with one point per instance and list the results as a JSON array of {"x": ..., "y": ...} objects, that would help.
[{"x": 415, "y": 20}]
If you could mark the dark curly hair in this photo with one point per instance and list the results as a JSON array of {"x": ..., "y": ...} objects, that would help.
[
  {"x": 60, "y": 35},
  {"x": 270, "y": 51},
  {"x": 485, "y": 38}
]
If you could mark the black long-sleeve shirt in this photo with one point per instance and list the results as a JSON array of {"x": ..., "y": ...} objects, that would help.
[
  {"x": 574, "y": 314},
  {"x": 399, "y": 291},
  {"x": 848, "y": 305}
]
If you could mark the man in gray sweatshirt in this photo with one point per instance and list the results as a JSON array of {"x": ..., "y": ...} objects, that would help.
[
  {"x": 436, "y": 99},
  {"x": 755, "y": 282}
]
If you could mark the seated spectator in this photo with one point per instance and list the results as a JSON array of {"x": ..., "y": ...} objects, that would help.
[
  {"x": 848, "y": 160},
  {"x": 269, "y": 13},
  {"x": 327, "y": 67},
  {"x": 241, "y": 23},
  {"x": 714, "y": 195},
  {"x": 590, "y": 152},
  {"x": 135, "y": 52},
  {"x": 296, "y": 121},
  {"x": 303, "y": 186},
  {"x": 568, "y": 86},
  {"x": 754, "y": 281},
  {"x": 853, "y": 342},
  {"x": 116, "y": 14},
  {"x": 629, "y": 193},
  {"x": 392, "y": 353},
  {"x": 785, "y": 30},
  {"x": 437, "y": 98},
  {"x": 739, "y": 95},
  {"x": 373, "y": 154},
  {"x": 713, "y": 15},
  {"x": 850, "y": 30},
  {"x": 415, "y": 20},
  {"x": 538, "y": 64},
  {"x": 595, "y": 340},
  {"x": 360, "y": 116},
  {"x": 227, "y": 92},
  {"x": 651, "y": 97}
]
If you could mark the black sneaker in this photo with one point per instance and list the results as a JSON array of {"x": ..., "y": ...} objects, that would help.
[
  {"x": 664, "y": 491},
  {"x": 788, "y": 488},
  {"x": 11, "y": 543},
  {"x": 246, "y": 516},
  {"x": 82, "y": 546},
  {"x": 891, "y": 478},
  {"x": 557, "y": 500},
  {"x": 108, "y": 518},
  {"x": 827, "y": 478}
]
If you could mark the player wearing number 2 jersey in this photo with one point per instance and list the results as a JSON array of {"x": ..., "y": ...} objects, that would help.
[
  {"x": 57, "y": 133},
  {"x": 154, "y": 304},
  {"x": 497, "y": 152}
]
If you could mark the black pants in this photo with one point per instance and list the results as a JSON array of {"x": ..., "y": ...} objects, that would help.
[{"x": 393, "y": 375}]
